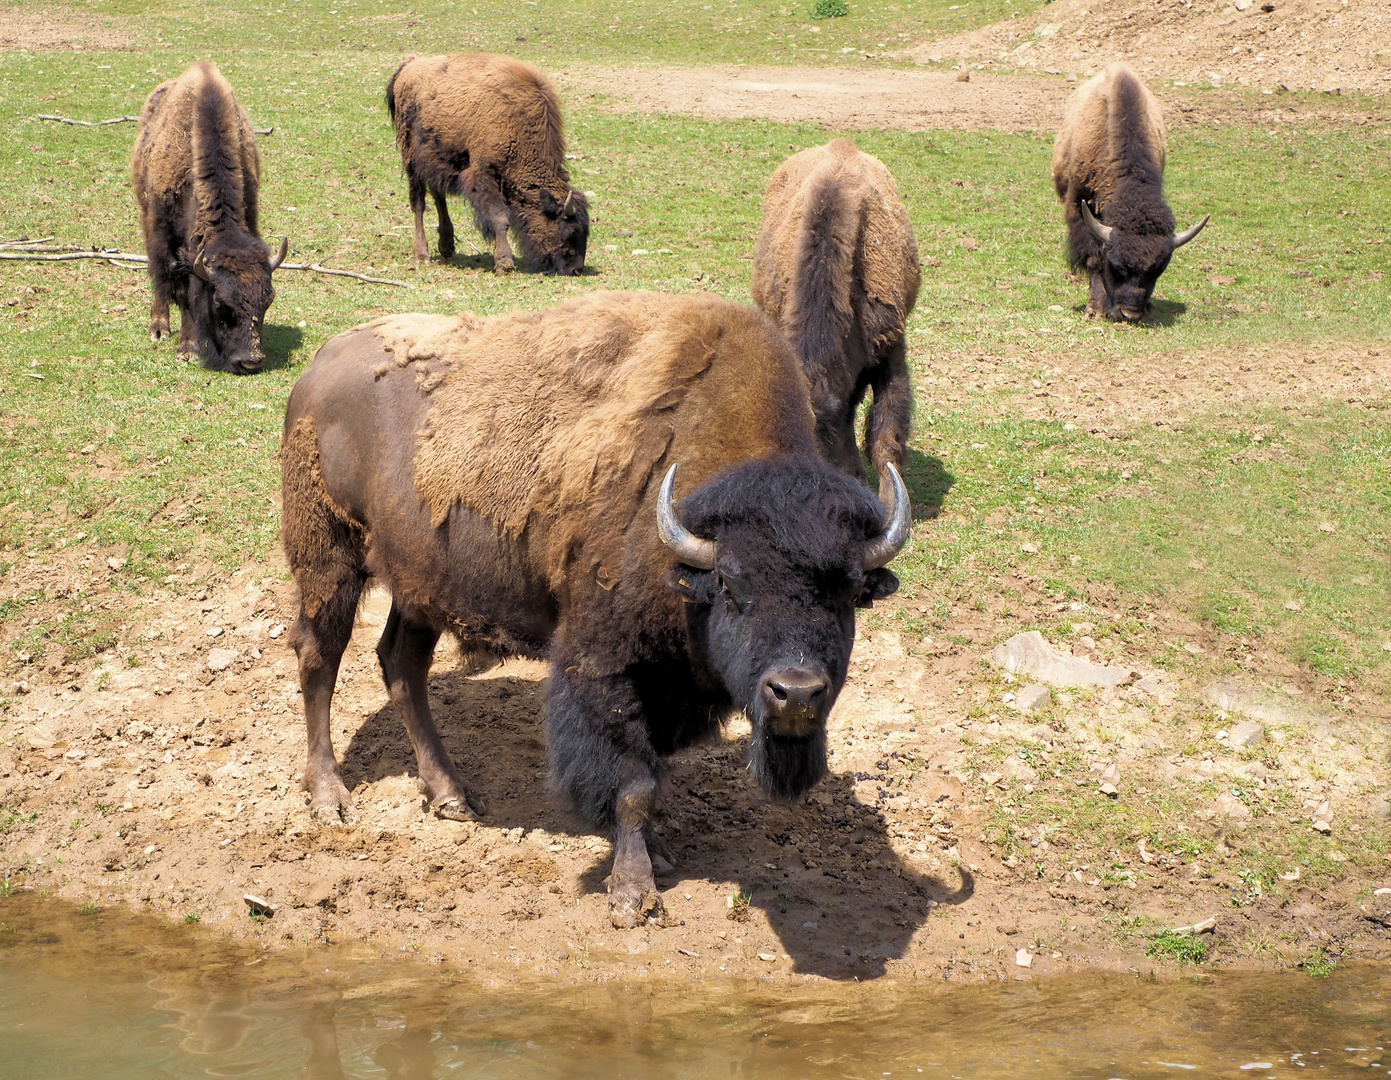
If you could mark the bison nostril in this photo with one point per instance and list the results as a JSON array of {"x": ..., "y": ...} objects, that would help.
[
  {"x": 779, "y": 692},
  {"x": 796, "y": 690}
]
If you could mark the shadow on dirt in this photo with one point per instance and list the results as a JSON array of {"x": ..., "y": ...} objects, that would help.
[
  {"x": 838, "y": 898},
  {"x": 1165, "y": 312},
  {"x": 928, "y": 483}
]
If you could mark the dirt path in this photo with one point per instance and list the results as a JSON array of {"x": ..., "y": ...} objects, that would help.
[{"x": 953, "y": 832}]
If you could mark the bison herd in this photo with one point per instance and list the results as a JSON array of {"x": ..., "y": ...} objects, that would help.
[{"x": 661, "y": 495}]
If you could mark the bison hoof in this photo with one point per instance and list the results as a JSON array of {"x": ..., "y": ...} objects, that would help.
[
  {"x": 636, "y": 909},
  {"x": 158, "y": 333},
  {"x": 333, "y": 815},
  {"x": 661, "y": 864},
  {"x": 446, "y": 250},
  {"x": 504, "y": 265}
]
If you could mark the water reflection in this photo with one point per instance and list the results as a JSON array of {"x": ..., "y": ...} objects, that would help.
[{"x": 112, "y": 995}]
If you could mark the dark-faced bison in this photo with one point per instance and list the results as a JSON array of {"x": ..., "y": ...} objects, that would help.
[
  {"x": 1110, "y": 154},
  {"x": 837, "y": 266},
  {"x": 513, "y": 481},
  {"x": 196, "y": 171},
  {"x": 489, "y": 127}
]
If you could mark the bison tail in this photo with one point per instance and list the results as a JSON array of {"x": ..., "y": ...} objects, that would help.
[
  {"x": 323, "y": 544},
  {"x": 824, "y": 278},
  {"x": 391, "y": 88}
]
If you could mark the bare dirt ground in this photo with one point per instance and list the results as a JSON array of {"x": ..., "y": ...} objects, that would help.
[
  {"x": 58, "y": 29},
  {"x": 145, "y": 777},
  {"x": 912, "y": 100},
  {"x": 1336, "y": 46}
]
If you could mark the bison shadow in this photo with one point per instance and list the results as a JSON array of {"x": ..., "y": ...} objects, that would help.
[
  {"x": 1164, "y": 312},
  {"x": 928, "y": 483},
  {"x": 279, "y": 343},
  {"x": 827, "y": 861}
]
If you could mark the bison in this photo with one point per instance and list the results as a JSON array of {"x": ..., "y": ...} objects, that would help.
[
  {"x": 837, "y": 266},
  {"x": 514, "y": 481},
  {"x": 1110, "y": 154},
  {"x": 196, "y": 172},
  {"x": 489, "y": 127}
]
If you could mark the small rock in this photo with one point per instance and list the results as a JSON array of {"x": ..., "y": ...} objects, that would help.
[
  {"x": 1255, "y": 770},
  {"x": 1230, "y": 806},
  {"x": 1029, "y": 549},
  {"x": 1246, "y": 734},
  {"x": 1161, "y": 691},
  {"x": 1032, "y": 698},
  {"x": 1193, "y": 648},
  {"x": 22, "y": 686},
  {"x": 1206, "y": 926},
  {"x": 221, "y": 659},
  {"x": 1327, "y": 527},
  {"x": 276, "y": 631},
  {"x": 1016, "y": 768},
  {"x": 1040, "y": 733},
  {"x": 214, "y": 631},
  {"x": 990, "y": 779},
  {"x": 767, "y": 957},
  {"x": 1323, "y": 817},
  {"x": 1241, "y": 5},
  {"x": 115, "y": 563},
  {"x": 259, "y": 906},
  {"x": 1029, "y": 653},
  {"x": 1022, "y": 958}
]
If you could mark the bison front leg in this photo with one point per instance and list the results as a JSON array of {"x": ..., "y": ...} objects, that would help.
[
  {"x": 490, "y": 213},
  {"x": 319, "y": 642},
  {"x": 405, "y": 651},
  {"x": 602, "y": 757},
  {"x": 1096, "y": 299}
]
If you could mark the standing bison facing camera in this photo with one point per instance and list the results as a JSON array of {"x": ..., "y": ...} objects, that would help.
[
  {"x": 196, "y": 174},
  {"x": 837, "y": 266},
  {"x": 1110, "y": 153},
  {"x": 489, "y": 127},
  {"x": 514, "y": 481}
]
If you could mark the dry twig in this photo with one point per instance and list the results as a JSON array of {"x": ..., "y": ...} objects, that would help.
[
  {"x": 124, "y": 258},
  {"x": 89, "y": 123}
]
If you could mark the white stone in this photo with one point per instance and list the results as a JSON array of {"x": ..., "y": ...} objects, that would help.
[
  {"x": 1016, "y": 768},
  {"x": 221, "y": 659},
  {"x": 1029, "y": 653},
  {"x": 1230, "y": 806},
  {"x": 1246, "y": 734},
  {"x": 1032, "y": 698},
  {"x": 1022, "y": 958}
]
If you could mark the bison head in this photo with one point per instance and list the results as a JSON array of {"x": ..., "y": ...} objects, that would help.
[
  {"x": 557, "y": 237},
  {"x": 1131, "y": 263},
  {"x": 775, "y": 557},
  {"x": 229, "y": 290}
]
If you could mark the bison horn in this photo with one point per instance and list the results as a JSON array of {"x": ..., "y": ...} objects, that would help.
[
  {"x": 691, "y": 549},
  {"x": 1193, "y": 230},
  {"x": 898, "y": 522},
  {"x": 569, "y": 201},
  {"x": 280, "y": 255},
  {"x": 1100, "y": 231},
  {"x": 200, "y": 268}
]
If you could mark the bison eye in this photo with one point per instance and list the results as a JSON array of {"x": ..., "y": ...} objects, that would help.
[
  {"x": 226, "y": 317},
  {"x": 735, "y": 588}
]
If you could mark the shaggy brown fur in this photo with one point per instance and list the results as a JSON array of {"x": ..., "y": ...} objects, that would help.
[
  {"x": 837, "y": 266},
  {"x": 1110, "y": 154},
  {"x": 196, "y": 172},
  {"x": 489, "y": 127}
]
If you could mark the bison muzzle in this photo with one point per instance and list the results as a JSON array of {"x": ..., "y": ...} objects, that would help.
[
  {"x": 1108, "y": 170},
  {"x": 628, "y": 485}
]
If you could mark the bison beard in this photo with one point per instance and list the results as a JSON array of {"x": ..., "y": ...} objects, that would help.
[{"x": 511, "y": 480}]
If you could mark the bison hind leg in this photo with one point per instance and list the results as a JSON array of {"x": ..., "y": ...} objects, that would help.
[
  {"x": 446, "y": 226},
  {"x": 405, "y": 651}
]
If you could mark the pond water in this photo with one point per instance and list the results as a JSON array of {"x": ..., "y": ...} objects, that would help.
[{"x": 110, "y": 995}]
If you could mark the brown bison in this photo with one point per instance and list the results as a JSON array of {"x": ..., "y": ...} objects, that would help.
[
  {"x": 1110, "y": 153},
  {"x": 196, "y": 171},
  {"x": 837, "y": 266},
  {"x": 513, "y": 481},
  {"x": 489, "y": 127}
]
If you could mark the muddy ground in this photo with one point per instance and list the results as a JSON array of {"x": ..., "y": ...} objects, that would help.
[{"x": 163, "y": 775}]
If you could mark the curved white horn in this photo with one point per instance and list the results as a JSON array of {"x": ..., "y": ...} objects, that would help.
[
  {"x": 569, "y": 201},
  {"x": 691, "y": 549},
  {"x": 898, "y": 523},
  {"x": 200, "y": 268},
  {"x": 280, "y": 256},
  {"x": 1100, "y": 231},
  {"x": 1193, "y": 230}
]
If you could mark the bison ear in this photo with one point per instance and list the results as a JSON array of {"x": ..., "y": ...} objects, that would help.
[
  {"x": 878, "y": 584},
  {"x": 550, "y": 206},
  {"x": 693, "y": 586}
]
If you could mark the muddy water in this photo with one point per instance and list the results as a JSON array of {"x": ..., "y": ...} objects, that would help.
[{"x": 112, "y": 995}]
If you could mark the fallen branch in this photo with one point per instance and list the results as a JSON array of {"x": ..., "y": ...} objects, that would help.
[
  {"x": 89, "y": 123},
  {"x": 27, "y": 243},
  {"x": 126, "y": 257},
  {"x": 318, "y": 269}
]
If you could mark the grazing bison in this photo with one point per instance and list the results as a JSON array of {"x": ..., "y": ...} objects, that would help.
[
  {"x": 837, "y": 266},
  {"x": 512, "y": 481},
  {"x": 196, "y": 171},
  {"x": 1110, "y": 153},
  {"x": 489, "y": 127}
]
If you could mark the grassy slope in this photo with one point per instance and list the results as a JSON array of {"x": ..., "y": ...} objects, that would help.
[{"x": 163, "y": 465}]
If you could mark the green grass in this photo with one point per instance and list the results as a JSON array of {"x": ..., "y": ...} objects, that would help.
[
  {"x": 116, "y": 452},
  {"x": 1182, "y": 948},
  {"x": 1318, "y": 964}
]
